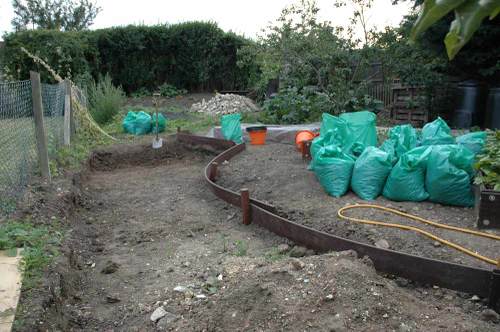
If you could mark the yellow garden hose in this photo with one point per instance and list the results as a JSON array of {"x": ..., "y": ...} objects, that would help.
[{"x": 421, "y": 231}]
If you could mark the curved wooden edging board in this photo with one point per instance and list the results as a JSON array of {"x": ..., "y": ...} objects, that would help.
[{"x": 482, "y": 282}]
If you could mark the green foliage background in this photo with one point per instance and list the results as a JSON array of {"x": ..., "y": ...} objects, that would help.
[{"x": 197, "y": 56}]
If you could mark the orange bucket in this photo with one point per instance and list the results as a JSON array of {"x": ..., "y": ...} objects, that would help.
[
  {"x": 257, "y": 135},
  {"x": 303, "y": 136}
]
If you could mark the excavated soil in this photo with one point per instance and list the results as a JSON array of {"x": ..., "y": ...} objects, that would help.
[
  {"x": 277, "y": 174},
  {"x": 147, "y": 234}
]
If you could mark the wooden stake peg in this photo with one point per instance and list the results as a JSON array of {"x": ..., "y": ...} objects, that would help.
[
  {"x": 213, "y": 171},
  {"x": 245, "y": 206}
]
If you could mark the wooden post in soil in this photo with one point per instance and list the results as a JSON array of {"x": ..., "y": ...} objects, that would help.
[
  {"x": 306, "y": 150},
  {"x": 67, "y": 113},
  {"x": 41, "y": 138},
  {"x": 213, "y": 171},
  {"x": 245, "y": 206}
]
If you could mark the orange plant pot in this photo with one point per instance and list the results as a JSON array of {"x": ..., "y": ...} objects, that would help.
[
  {"x": 303, "y": 136},
  {"x": 257, "y": 135}
]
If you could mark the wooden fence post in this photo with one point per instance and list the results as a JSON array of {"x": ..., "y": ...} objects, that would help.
[
  {"x": 67, "y": 113},
  {"x": 41, "y": 138}
]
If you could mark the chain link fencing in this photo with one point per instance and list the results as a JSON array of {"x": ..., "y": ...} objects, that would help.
[{"x": 18, "y": 151}]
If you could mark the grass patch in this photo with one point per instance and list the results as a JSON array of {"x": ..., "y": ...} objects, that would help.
[
  {"x": 241, "y": 248},
  {"x": 274, "y": 255},
  {"x": 40, "y": 244}
]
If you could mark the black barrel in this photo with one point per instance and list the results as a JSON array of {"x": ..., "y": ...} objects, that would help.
[
  {"x": 469, "y": 106},
  {"x": 493, "y": 109}
]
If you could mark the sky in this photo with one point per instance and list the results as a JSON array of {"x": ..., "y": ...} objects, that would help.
[{"x": 245, "y": 17}]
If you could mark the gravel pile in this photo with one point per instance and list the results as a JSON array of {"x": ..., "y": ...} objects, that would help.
[{"x": 225, "y": 104}]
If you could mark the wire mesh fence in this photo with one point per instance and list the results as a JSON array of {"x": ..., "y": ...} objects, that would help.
[
  {"x": 18, "y": 149},
  {"x": 53, "y": 115}
]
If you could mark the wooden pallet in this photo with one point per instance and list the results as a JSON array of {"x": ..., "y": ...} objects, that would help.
[{"x": 405, "y": 107}]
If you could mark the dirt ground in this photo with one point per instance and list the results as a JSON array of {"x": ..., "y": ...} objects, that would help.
[
  {"x": 277, "y": 174},
  {"x": 149, "y": 235}
]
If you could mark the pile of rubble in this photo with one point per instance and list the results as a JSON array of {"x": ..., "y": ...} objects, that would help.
[{"x": 225, "y": 104}]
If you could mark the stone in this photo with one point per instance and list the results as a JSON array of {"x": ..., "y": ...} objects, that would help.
[
  {"x": 166, "y": 321},
  {"x": 298, "y": 251},
  {"x": 329, "y": 297},
  {"x": 297, "y": 264},
  {"x": 475, "y": 298},
  {"x": 112, "y": 299},
  {"x": 401, "y": 282},
  {"x": 110, "y": 267},
  {"x": 159, "y": 312},
  {"x": 436, "y": 244},
  {"x": 180, "y": 289},
  {"x": 310, "y": 252},
  {"x": 348, "y": 254},
  {"x": 382, "y": 243},
  {"x": 490, "y": 315},
  {"x": 283, "y": 248}
]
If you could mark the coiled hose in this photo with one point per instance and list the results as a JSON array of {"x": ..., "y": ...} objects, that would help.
[{"x": 421, "y": 231}]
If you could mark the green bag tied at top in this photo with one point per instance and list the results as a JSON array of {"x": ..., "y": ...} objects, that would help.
[
  {"x": 370, "y": 173},
  {"x": 406, "y": 182},
  {"x": 333, "y": 169},
  {"x": 231, "y": 128}
]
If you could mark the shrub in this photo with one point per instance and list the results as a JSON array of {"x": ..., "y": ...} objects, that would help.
[
  {"x": 168, "y": 90},
  {"x": 489, "y": 163},
  {"x": 105, "y": 99},
  {"x": 291, "y": 106}
]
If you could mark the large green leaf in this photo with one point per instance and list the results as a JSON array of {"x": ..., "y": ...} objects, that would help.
[
  {"x": 431, "y": 12},
  {"x": 468, "y": 18}
]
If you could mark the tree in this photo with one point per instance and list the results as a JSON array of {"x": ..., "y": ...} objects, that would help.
[{"x": 68, "y": 15}]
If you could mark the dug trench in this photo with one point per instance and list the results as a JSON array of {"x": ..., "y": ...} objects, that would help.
[{"x": 149, "y": 247}]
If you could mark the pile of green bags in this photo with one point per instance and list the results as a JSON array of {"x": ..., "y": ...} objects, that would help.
[
  {"x": 141, "y": 123},
  {"x": 231, "y": 128},
  {"x": 406, "y": 167}
]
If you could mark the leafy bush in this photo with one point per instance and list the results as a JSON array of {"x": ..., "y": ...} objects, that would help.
[
  {"x": 489, "y": 163},
  {"x": 168, "y": 90},
  {"x": 363, "y": 102},
  {"x": 105, "y": 99},
  {"x": 141, "y": 92},
  {"x": 291, "y": 106}
]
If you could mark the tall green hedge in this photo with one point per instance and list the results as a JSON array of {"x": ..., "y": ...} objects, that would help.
[{"x": 197, "y": 56}]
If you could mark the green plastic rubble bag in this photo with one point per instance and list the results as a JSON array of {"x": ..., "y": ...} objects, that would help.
[
  {"x": 406, "y": 182},
  {"x": 330, "y": 122},
  {"x": 437, "y": 132},
  {"x": 401, "y": 139},
  {"x": 351, "y": 131},
  {"x": 370, "y": 172},
  {"x": 473, "y": 141},
  {"x": 129, "y": 123},
  {"x": 361, "y": 128},
  {"x": 137, "y": 123},
  {"x": 333, "y": 169},
  {"x": 318, "y": 143},
  {"x": 405, "y": 138},
  {"x": 449, "y": 174},
  {"x": 162, "y": 123},
  {"x": 231, "y": 128}
]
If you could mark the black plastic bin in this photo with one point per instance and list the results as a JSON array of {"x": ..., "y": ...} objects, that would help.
[
  {"x": 469, "y": 106},
  {"x": 493, "y": 109}
]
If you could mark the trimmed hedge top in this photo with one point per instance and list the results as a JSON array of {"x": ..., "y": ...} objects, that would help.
[{"x": 193, "y": 55}]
